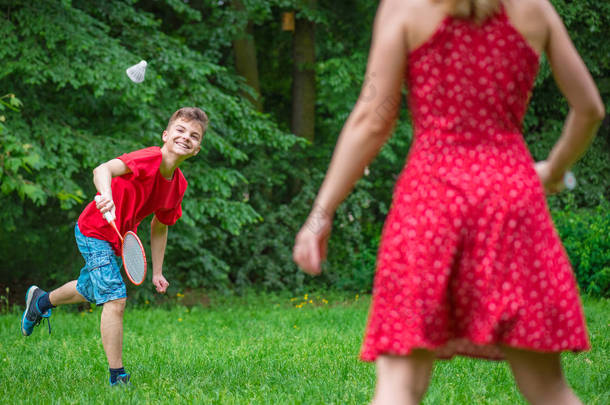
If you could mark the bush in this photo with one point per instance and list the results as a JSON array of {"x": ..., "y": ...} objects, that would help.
[
  {"x": 585, "y": 236},
  {"x": 584, "y": 233},
  {"x": 66, "y": 63}
]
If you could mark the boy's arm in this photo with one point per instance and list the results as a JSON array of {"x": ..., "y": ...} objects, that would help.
[
  {"x": 102, "y": 178},
  {"x": 158, "y": 241}
]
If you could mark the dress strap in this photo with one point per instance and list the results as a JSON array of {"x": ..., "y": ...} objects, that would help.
[{"x": 502, "y": 11}]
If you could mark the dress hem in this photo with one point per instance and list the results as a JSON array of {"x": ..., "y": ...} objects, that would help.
[{"x": 483, "y": 346}]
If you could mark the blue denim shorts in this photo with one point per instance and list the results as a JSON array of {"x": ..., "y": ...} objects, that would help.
[{"x": 100, "y": 280}]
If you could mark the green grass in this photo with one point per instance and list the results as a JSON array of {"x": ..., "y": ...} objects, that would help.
[{"x": 252, "y": 350}]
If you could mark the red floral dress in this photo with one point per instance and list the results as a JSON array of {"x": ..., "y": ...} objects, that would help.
[{"x": 469, "y": 258}]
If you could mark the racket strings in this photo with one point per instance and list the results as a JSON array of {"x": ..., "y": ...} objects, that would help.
[{"x": 133, "y": 258}]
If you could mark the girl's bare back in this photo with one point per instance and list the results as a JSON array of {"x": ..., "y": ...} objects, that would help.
[{"x": 529, "y": 17}]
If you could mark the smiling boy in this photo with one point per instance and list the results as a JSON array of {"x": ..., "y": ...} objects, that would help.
[{"x": 132, "y": 186}]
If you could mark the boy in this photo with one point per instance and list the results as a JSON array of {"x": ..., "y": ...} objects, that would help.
[{"x": 132, "y": 186}]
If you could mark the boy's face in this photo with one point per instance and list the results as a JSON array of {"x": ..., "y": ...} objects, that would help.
[{"x": 183, "y": 138}]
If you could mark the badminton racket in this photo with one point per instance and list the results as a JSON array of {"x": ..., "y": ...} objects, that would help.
[{"x": 132, "y": 251}]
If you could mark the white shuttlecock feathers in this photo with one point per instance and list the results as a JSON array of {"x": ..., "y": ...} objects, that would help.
[
  {"x": 137, "y": 72},
  {"x": 569, "y": 180}
]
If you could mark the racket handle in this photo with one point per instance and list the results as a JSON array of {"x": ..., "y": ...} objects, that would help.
[{"x": 108, "y": 215}]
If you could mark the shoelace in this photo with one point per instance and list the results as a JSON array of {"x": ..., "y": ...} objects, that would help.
[
  {"x": 122, "y": 379},
  {"x": 42, "y": 319}
]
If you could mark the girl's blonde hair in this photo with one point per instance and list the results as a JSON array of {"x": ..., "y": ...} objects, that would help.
[{"x": 477, "y": 10}]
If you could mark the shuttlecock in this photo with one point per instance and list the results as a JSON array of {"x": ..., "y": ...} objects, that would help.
[
  {"x": 569, "y": 180},
  {"x": 137, "y": 72}
]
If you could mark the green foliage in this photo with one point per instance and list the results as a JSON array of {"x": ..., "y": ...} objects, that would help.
[
  {"x": 252, "y": 185},
  {"x": 585, "y": 236},
  {"x": 17, "y": 161},
  {"x": 67, "y": 62}
]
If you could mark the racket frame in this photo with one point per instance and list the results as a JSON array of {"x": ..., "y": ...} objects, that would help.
[
  {"x": 143, "y": 257},
  {"x": 110, "y": 218}
]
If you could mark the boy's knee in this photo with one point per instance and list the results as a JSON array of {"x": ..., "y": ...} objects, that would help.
[{"x": 116, "y": 305}]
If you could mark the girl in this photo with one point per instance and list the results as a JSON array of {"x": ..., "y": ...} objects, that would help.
[{"x": 469, "y": 261}]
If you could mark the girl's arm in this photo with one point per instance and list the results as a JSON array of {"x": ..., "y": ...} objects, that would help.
[
  {"x": 586, "y": 106},
  {"x": 366, "y": 130}
]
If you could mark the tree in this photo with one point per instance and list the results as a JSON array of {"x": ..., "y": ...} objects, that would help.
[
  {"x": 66, "y": 62},
  {"x": 245, "y": 57},
  {"x": 303, "y": 77}
]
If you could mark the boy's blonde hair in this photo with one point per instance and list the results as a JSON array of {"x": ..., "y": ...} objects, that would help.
[{"x": 190, "y": 114}]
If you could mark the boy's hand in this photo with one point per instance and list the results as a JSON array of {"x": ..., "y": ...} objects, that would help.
[
  {"x": 160, "y": 282},
  {"x": 105, "y": 204}
]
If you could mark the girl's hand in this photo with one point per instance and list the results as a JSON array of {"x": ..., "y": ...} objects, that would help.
[
  {"x": 553, "y": 182},
  {"x": 311, "y": 243},
  {"x": 160, "y": 283}
]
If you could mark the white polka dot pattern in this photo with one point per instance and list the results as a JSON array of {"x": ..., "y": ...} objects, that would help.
[{"x": 469, "y": 257}]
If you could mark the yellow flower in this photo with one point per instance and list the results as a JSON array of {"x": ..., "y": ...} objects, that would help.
[
  {"x": 324, "y": 301},
  {"x": 311, "y": 301},
  {"x": 179, "y": 319},
  {"x": 147, "y": 302},
  {"x": 305, "y": 297},
  {"x": 179, "y": 295}
]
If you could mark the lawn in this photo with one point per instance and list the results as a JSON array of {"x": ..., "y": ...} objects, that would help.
[{"x": 258, "y": 349}]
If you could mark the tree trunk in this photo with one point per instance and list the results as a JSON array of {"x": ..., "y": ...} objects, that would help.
[
  {"x": 245, "y": 59},
  {"x": 304, "y": 79}
]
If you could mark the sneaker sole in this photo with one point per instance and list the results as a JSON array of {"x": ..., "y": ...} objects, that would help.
[{"x": 28, "y": 300}]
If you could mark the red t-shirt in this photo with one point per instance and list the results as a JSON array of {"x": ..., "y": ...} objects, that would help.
[{"x": 136, "y": 195}]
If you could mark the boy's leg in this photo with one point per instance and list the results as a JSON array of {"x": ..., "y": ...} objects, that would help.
[
  {"x": 101, "y": 282},
  {"x": 539, "y": 377},
  {"x": 66, "y": 294},
  {"x": 111, "y": 328},
  {"x": 403, "y": 379},
  {"x": 38, "y": 304}
]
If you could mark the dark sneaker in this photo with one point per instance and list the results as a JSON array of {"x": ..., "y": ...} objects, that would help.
[
  {"x": 121, "y": 380},
  {"x": 32, "y": 315}
]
